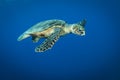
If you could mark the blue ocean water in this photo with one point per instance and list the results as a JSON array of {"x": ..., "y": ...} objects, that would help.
[{"x": 94, "y": 56}]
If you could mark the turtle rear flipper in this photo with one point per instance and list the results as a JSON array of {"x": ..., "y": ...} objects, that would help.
[
  {"x": 23, "y": 36},
  {"x": 35, "y": 39},
  {"x": 49, "y": 42}
]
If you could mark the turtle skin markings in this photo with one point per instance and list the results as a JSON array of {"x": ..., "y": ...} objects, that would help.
[{"x": 49, "y": 42}]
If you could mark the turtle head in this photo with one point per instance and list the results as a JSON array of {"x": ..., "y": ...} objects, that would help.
[{"x": 79, "y": 28}]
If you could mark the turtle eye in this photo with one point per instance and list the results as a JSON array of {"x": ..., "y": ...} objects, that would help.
[{"x": 81, "y": 32}]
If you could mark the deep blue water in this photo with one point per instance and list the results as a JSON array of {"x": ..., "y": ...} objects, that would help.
[{"x": 92, "y": 57}]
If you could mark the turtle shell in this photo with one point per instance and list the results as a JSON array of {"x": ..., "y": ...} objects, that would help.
[{"x": 41, "y": 26}]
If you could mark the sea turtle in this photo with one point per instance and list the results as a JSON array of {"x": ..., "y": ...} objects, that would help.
[{"x": 52, "y": 30}]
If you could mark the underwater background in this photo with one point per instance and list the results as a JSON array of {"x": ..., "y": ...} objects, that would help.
[{"x": 94, "y": 56}]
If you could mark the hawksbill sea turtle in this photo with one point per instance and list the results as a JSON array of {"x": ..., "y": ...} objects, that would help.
[{"x": 52, "y": 30}]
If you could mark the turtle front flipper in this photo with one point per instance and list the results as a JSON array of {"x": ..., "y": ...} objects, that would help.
[{"x": 49, "y": 42}]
